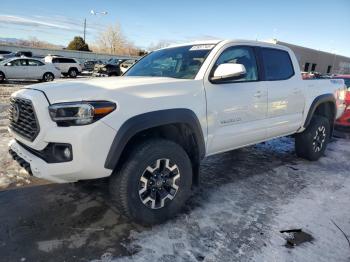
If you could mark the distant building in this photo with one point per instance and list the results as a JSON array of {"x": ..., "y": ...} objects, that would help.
[{"x": 311, "y": 60}]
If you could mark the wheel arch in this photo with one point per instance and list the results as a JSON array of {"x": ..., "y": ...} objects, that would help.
[
  {"x": 323, "y": 105},
  {"x": 48, "y": 72},
  {"x": 179, "y": 125},
  {"x": 73, "y": 68}
]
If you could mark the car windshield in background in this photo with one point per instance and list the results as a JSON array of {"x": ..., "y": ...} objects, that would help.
[
  {"x": 178, "y": 62},
  {"x": 3, "y": 62}
]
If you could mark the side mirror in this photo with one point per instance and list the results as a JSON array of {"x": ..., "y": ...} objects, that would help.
[{"x": 228, "y": 71}]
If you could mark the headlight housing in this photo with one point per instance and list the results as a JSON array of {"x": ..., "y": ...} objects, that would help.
[{"x": 80, "y": 113}]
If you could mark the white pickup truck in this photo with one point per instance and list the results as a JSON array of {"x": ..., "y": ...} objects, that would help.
[{"x": 149, "y": 129}]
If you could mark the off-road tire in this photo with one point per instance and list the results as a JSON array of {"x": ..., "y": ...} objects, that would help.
[
  {"x": 124, "y": 184},
  {"x": 307, "y": 144}
]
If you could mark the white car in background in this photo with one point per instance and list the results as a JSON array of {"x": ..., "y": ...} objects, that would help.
[
  {"x": 68, "y": 66},
  {"x": 28, "y": 68}
]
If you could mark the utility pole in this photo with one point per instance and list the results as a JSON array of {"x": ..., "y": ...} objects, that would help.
[
  {"x": 84, "y": 28},
  {"x": 92, "y": 12}
]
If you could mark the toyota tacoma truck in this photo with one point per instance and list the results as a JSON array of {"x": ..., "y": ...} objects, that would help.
[{"x": 149, "y": 130}]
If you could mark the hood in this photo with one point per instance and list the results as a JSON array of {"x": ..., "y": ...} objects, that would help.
[{"x": 97, "y": 88}]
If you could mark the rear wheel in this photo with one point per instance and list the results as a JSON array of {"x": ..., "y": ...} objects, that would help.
[
  {"x": 48, "y": 77},
  {"x": 2, "y": 77},
  {"x": 312, "y": 143},
  {"x": 154, "y": 183},
  {"x": 73, "y": 73}
]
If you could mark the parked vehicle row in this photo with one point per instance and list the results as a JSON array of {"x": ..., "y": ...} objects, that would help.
[
  {"x": 150, "y": 129},
  {"x": 113, "y": 67},
  {"x": 69, "y": 67}
]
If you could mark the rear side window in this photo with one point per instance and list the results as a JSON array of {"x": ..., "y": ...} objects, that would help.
[
  {"x": 68, "y": 60},
  {"x": 35, "y": 63},
  {"x": 277, "y": 64},
  {"x": 63, "y": 60}
]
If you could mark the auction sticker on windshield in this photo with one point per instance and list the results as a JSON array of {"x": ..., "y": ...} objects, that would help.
[{"x": 201, "y": 47}]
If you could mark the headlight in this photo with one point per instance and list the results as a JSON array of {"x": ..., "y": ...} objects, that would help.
[{"x": 80, "y": 113}]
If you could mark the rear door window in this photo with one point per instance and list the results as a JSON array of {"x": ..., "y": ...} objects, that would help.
[
  {"x": 277, "y": 64},
  {"x": 34, "y": 63}
]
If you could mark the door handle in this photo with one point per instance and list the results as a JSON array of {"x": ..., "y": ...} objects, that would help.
[
  {"x": 257, "y": 94},
  {"x": 296, "y": 91}
]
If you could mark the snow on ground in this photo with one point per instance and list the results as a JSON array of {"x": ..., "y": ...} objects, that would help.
[{"x": 242, "y": 220}]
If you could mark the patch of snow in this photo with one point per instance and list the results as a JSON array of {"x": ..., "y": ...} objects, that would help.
[
  {"x": 4, "y": 181},
  {"x": 241, "y": 221},
  {"x": 50, "y": 245}
]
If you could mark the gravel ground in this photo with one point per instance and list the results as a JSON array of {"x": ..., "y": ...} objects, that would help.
[
  {"x": 11, "y": 175},
  {"x": 245, "y": 199}
]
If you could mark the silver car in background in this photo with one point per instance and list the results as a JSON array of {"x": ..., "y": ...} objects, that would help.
[{"x": 28, "y": 68}]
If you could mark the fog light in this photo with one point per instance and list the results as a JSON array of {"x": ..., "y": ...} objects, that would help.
[
  {"x": 67, "y": 153},
  {"x": 61, "y": 153}
]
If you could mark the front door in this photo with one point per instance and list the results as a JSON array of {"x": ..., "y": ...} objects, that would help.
[
  {"x": 236, "y": 110},
  {"x": 17, "y": 69}
]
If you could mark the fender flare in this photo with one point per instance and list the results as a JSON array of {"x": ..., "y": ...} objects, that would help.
[
  {"x": 317, "y": 101},
  {"x": 148, "y": 120}
]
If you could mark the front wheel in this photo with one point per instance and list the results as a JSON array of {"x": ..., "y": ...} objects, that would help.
[
  {"x": 312, "y": 143},
  {"x": 48, "y": 77},
  {"x": 154, "y": 183}
]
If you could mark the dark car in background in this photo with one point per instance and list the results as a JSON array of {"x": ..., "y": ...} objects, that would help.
[
  {"x": 110, "y": 68},
  {"x": 127, "y": 64},
  {"x": 8, "y": 54},
  {"x": 343, "y": 123},
  {"x": 89, "y": 65},
  {"x": 24, "y": 53}
]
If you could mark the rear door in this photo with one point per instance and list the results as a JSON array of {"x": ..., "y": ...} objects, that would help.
[
  {"x": 236, "y": 109},
  {"x": 285, "y": 92},
  {"x": 35, "y": 69},
  {"x": 61, "y": 64}
]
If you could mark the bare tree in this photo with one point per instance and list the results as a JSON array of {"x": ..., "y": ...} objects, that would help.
[
  {"x": 113, "y": 41},
  {"x": 159, "y": 45}
]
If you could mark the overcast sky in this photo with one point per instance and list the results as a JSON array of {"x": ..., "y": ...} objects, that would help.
[{"x": 321, "y": 24}]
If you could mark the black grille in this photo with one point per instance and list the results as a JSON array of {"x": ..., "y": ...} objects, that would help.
[{"x": 22, "y": 117}]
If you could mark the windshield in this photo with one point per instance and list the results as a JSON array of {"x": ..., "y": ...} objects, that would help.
[
  {"x": 179, "y": 62},
  {"x": 3, "y": 62}
]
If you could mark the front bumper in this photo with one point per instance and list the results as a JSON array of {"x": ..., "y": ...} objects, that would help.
[{"x": 90, "y": 146}]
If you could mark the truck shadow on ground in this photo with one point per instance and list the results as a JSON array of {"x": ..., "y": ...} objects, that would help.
[{"x": 73, "y": 223}]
